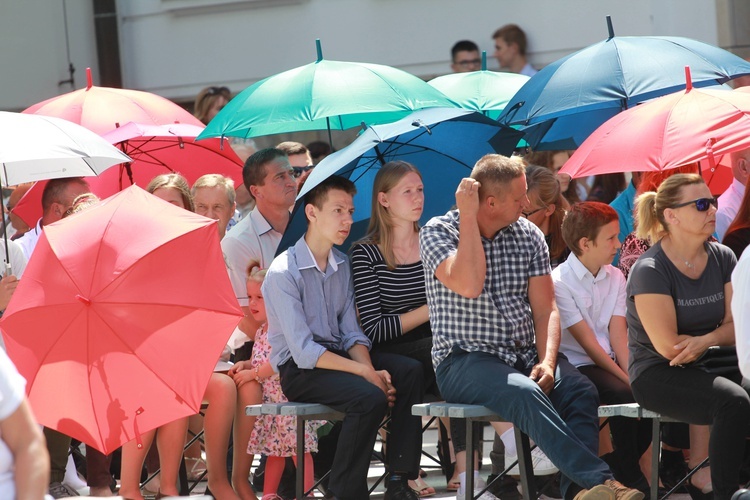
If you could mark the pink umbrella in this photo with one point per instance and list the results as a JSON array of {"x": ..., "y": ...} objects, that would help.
[{"x": 680, "y": 128}]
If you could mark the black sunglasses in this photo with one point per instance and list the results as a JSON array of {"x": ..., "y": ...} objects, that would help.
[
  {"x": 297, "y": 171},
  {"x": 701, "y": 204},
  {"x": 217, "y": 90}
]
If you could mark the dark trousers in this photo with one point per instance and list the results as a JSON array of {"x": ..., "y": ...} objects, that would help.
[
  {"x": 563, "y": 424},
  {"x": 365, "y": 406},
  {"x": 58, "y": 446},
  {"x": 697, "y": 397},
  {"x": 97, "y": 468},
  {"x": 631, "y": 437}
]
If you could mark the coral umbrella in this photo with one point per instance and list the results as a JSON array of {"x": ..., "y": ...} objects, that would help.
[
  {"x": 684, "y": 127},
  {"x": 120, "y": 317},
  {"x": 102, "y": 109}
]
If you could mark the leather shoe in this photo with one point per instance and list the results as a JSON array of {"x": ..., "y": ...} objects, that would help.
[{"x": 399, "y": 490}]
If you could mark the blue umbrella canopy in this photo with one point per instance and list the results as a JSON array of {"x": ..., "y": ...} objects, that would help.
[
  {"x": 562, "y": 104},
  {"x": 333, "y": 95},
  {"x": 444, "y": 144}
]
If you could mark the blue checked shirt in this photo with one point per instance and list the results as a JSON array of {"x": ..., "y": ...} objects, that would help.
[
  {"x": 309, "y": 311},
  {"x": 499, "y": 321}
]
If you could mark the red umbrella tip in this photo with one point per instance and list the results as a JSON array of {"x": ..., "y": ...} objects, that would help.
[
  {"x": 89, "y": 82},
  {"x": 688, "y": 80}
]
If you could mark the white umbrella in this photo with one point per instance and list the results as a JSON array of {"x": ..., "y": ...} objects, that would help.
[{"x": 35, "y": 147}]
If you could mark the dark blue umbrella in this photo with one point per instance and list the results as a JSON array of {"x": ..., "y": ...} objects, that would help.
[
  {"x": 444, "y": 144},
  {"x": 562, "y": 104}
]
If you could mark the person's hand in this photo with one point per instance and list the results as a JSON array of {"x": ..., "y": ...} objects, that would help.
[
  {"x": 691, "y": 348},
  {"x": 243, "y": 377},
  {"x": 544, "y": 376},
  {"x": 381, "y": 379},
  {"x": 7, "y": 287},
  {"x": 467, "y": 197},
  {"x": 238, "y": 367}
]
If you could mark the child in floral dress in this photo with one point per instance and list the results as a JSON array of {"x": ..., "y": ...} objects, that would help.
[{"x": 273, "y": 436}]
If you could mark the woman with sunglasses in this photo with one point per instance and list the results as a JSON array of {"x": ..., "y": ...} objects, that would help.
[
  {"x": 547, "y": 210},
  {"x": 210, "y": 101},
  {"x": 678, "y": 306}
]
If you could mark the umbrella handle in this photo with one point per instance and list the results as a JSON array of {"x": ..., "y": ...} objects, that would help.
[{"x": 138, "y": 440}]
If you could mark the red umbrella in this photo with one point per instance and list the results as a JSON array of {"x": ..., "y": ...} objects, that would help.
[
  {"x": 120, "y": 317},
  {"x": 155, "y": 149},
  {"x": 680, "y": 128},
  {"x": 102, "y": 109}
]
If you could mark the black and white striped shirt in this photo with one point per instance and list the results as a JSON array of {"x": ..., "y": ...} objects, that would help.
[{"x": 383, "y": 294}]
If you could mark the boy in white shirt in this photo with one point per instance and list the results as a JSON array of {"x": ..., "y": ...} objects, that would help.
[{"x": 590, "y": 295}]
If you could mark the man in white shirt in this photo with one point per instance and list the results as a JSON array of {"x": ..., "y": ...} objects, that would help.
[
  {"x": 269, "y": 178},
  {"x": 729, "y": 202},
  {"x": 510, "y": 50}
]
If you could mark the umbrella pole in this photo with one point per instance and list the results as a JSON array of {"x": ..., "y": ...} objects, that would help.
[
  {"x": 8, "y": 267},
  {"x": 330, "y": 139}
]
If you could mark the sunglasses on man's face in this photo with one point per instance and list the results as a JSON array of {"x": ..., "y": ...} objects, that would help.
[
  {"x": 701, "y": 204},
  {"x": 298, "y": 171}
]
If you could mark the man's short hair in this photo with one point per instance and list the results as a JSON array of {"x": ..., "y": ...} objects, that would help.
[
  {"x": 319, "y": 149},
  {"x": 216, "y": 180},
  {"x": 54, "y": 191},
  {"x": 318, "y": 195},
  {"x": 292, "y": 148},
  {"x": 511, "y": 33},
  {"x": 254, "y": 171},
  {"x": 463, "y": 46},
  {"x": 493, "y": 171},
  {"x": 584, "y": 220}
]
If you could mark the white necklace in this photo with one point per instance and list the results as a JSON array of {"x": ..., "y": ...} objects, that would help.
[{"x": 689, "y": 265}]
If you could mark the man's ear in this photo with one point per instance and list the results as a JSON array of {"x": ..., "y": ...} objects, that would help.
[
  {"x": 254, "y": 191},
  {"x": 310, "y": 211}
]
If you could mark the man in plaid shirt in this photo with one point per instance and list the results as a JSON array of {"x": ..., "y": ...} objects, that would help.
[{"x": 496, "y": 329}]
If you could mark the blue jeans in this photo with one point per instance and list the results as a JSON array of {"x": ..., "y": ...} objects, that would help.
[{"x": 565, "y": 425}]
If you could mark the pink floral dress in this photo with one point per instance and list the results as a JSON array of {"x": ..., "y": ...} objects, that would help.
[{"x": 275, "y": 436}]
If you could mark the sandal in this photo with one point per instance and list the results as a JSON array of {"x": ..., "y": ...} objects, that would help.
[
  {"x": 421, "y": 487},
  {"x": 197, "y": 470},
  {"x": 453, "y": 485}
]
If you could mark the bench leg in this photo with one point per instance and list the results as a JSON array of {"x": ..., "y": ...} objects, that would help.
[
  {"x": 525, "y": 465},
  {"x": 300, "y": 482},
  {"x": 469, "y": 483},
  {"x": 655, "y": 447}
]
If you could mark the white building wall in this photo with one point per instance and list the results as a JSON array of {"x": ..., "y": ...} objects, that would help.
[{"x": 176, "y": 47}]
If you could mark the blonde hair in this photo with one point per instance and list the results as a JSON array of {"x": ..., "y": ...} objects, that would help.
[
  {"x": 495, "y": 171},
  {"x": 379, "y": 231},
  {"x": 548, "y": 192},
  {"x": 255, "y": 272},
  {"x": 216, "y": 180},
  {"x": 650, "y": 222},
  {"x": 173, "y": 181}
]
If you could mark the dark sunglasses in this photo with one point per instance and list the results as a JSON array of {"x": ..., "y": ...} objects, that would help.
[
  {"x": 217, "y": 90},
  {"x": 529, "y": 214},
  {"x": 298, "y": 171},
  {"x": 701, "y": 204}
]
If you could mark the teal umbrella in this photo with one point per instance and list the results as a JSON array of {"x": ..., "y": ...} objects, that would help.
[
  {"x": 485, "y": 91},
  {"x": 330, "y": 95}
]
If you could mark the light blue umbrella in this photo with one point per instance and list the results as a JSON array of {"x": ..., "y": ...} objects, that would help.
[
  {"x": 444, "y": 144},
  {"x": 562, "y": 104}
]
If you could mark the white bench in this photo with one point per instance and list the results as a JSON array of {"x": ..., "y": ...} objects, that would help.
[
  {"x": 303, "y": 412},
  {"x": 477, "y": 413}
]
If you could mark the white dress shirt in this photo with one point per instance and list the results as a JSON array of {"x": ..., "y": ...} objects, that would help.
[
  {"x": 595, "y": 299},
  {"x": 729, "y": 204},
  {"x": 741, "y": 311}
]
